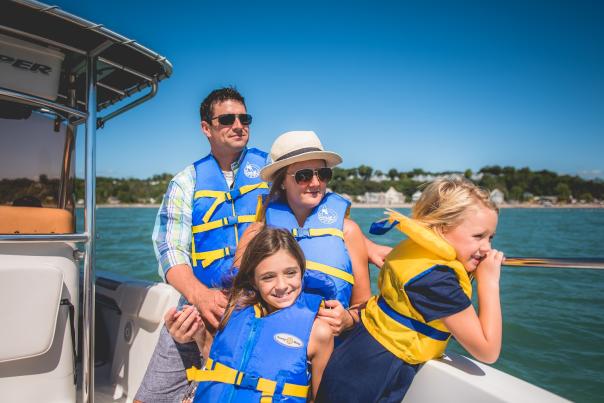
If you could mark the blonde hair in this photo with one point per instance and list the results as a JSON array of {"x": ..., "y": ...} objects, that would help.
[{"x": 444, "y": 201}]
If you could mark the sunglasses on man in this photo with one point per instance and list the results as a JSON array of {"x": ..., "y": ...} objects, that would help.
[
  {"x": 229, "y": 118},
  {"x": 304, "y": 176}
]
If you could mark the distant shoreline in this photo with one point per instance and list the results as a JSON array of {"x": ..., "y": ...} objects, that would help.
[
  {"x": 504, "y": 205},
  {"x": 384, "y": 206}
]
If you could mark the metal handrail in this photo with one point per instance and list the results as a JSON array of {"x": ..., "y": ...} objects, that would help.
[
  {"x": 102, "y": 120},
  {"x": 37, "y": 101},
  {"x": 88, "y": 283},
  {"x": 79, "y": 237},
  {"x": 557, "y": 263}
]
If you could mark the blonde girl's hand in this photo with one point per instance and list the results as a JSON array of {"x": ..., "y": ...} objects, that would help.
[
  {"x": 184, "y": 326},
  {"x": 488, "y": 271},
  {"x": 336, "y": 316}
]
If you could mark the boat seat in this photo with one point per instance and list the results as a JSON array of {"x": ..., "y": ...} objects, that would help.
[
  {"x": 133, "y": 331},
  {"x": 35, "y": 220},
  {"x": 38, "y": 305}
]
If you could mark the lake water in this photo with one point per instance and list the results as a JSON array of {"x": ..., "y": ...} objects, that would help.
[{"x": 553, "y": 318}]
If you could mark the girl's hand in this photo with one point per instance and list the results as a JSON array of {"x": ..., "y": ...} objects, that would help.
[
  {"x": 488, "y": 271},
  {"x": 186, "y": 325},
  {"x": 338, "y": 318}
]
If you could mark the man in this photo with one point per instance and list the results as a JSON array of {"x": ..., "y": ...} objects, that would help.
[{"x": 206, "y": 208}]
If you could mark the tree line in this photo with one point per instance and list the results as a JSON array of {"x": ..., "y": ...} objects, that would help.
[{"x": 516, "y": 184}]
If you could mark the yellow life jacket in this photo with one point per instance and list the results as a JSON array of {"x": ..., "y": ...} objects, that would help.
[{"x": 390, "y": 317}]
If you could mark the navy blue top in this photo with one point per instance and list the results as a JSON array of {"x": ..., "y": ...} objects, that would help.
[{"x": 437, "y": 294}]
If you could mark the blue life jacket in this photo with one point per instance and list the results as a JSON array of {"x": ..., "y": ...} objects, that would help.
[
  {"x": 328, "y": 266},
  {"x": 257, "y": 358},
  {"x": 221, "y": 215}
]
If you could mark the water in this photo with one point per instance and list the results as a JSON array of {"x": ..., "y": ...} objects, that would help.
[{"x": 553, "y": 328}]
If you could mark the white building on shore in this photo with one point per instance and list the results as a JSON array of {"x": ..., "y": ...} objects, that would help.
[
  {"x": 415, "y": 197},
  {"x": 497, "y": 196},
  {"x": 389, "y": 197}
]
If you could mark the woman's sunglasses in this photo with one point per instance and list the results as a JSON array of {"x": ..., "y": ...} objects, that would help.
[
  {"x": 304, "y": 176},
  {"x": 229, "y": 118}
]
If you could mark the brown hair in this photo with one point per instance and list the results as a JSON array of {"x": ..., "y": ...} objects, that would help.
[
  {"x": 277, "y": 193},
  {"x": 265, "y": 243},
  {"x": 444, "y": 201}
]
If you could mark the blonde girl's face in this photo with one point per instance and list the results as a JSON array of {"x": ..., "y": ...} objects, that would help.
[
  {"x": 472, "y": 237},
  {"x": 278, "y": 279}
]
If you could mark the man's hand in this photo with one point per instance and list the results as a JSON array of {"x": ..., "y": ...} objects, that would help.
[{"x": 211, "y": 304}]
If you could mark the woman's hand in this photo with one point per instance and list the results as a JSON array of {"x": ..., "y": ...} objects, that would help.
[
  {"x": 376, "y": 253},
  {"x": 338, "y": 318},
  {"x": 186, "y": 325}
]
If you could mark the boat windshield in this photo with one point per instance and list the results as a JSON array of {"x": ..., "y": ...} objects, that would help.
[{"x": 36, "y": 171}]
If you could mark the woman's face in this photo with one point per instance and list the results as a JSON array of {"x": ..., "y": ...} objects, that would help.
[
  {"x": 472, "y": 237},
  {"x": 304, "y": 195},
  {"x": 278, "y": 279}
]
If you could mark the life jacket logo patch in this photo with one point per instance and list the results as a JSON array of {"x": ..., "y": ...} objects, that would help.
[
  {"x": 327, "y": 215},
  {"x": 251, "y": 170},
  {"x": 288, "y": 340}
]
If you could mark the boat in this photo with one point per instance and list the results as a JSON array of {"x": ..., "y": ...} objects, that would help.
[{"x": 69, "y": 333}]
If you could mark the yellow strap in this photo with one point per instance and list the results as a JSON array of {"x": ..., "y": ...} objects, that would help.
[
  {"x": 222, "y": 222},
  {"x": 225, "y": 374},
  {"x": 207, "y": 258},
  {"x": 221, "y": 197},
  {"x": 312, "y": 232},
  {"x": 332, "y": 271},
  {"x": 326, "y": 231},
  {"x": 266, "y": 386},
  {"x": 290, "y": 389},
  {"x": 248, "y": 188},
  {"x": 193, "y": 253}
]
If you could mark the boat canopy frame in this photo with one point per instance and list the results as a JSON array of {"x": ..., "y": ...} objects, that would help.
[{"x": 85, "y": 88}]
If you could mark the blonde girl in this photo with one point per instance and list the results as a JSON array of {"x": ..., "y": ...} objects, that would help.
[{"x": 425, "y": 297}]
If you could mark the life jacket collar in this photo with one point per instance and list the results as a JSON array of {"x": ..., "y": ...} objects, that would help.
[{"x": 423, "y": 236}]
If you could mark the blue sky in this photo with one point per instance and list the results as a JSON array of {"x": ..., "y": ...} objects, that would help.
[{"x": 437, "y": 85}]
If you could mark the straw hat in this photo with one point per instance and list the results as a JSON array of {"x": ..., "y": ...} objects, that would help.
[{"x": 291, "y": 147}]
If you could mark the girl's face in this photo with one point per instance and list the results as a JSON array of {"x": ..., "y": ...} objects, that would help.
[
  {"x": 278, "y": 279},
  {"x": 304, "y": 195},
  {"x": 472, "y": 238}
]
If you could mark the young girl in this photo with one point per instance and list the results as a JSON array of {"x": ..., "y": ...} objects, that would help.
[
  {"x": 269, "y": 332},
  {"x": 425, "y": 297}
]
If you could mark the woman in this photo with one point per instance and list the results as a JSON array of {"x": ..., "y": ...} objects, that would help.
[{"x": 334, "y": 246}]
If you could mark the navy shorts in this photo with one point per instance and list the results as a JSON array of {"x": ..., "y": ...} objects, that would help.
[{"x": 362, "y": 370}]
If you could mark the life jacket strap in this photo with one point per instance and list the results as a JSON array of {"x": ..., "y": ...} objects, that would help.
[
  {"x": 208, "y": 257},
  {"x": 411, "y": 323},
  {"x": 220, "y": 197},
  {"x": 314, "y": 232},
  {"x": 330, "y": 270},
  {"x": 215, "y": 371},
  {"x": 223, "y": 222}
]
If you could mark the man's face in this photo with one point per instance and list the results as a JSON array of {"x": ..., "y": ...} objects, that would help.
[{"x": 226, "y": 138}]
